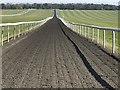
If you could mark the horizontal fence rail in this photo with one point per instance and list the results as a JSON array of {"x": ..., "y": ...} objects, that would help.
[
  {"x": 12, "y": 30},
  {"x": 93, "y": 32}
]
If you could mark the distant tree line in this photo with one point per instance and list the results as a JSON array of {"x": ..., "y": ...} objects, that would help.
[{"x": 70, "y": 6}]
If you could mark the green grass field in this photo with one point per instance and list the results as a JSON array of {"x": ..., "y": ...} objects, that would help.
[
  {"x": 94, "y": 17},
  {"x": 10, "y": 12},
  {"x": 33, "y": 15}
]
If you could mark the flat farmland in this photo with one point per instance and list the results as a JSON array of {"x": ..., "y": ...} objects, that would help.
[{"x": 102, "y": 18}]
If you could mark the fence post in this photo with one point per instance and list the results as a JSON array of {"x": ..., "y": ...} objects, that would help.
[
  {"x": 72, "y": 27},
  {"x": 28, "y": 26},
  {"x": 85, "y": 31},
  {"x": 79, "y": 28},
  {"x": 24, "y": 28},
  {"x": 88, "y": 32},
  {"x": 104, "y": 38},
  {"x": 14, "y": 34},
  {"x": 113, "y": 42},
  {"x": 93, "y": 34},
  {"x": 22, "y": 32},
  {"x": 76, "y": 28},
  {"x": 98, "y": 34},
  {"x": 33, "y": 26},
  {"x": 69, "y": 25},
  {"x": 2, "y": 35},
  {"x": 19, "y": 30},
  {"x": 8, "y": 34}
]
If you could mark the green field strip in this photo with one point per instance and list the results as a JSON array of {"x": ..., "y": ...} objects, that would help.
[
  {"x": 33, "y": 15},
  {"x": 11, "y": 12},
  {"x": 93, "y": 17}
]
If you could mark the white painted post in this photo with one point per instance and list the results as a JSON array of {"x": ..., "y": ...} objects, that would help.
[
  {"x": 85, "y": 31},
  {"x": 22, "y": 29},
  {"x": 31, "y": 26},
  {"x": 34, "y": 25},
  {"x": 82, "y": 30},
  {"x": 113, "y": 42},
  {"x": 79, "y": 29},
  {"x": 98, "y": 35},
  {"x": 8, "y": 34},
  {"x": 69, "y": 25},
  {"x": 14, "y": 33},
  {"x": 88, "y": 32},
  {"x": 104, "y": 38},
  {"x": 2, "y": 35},
  {"x": 28, "y": 27},
  {"x": 19, "y": 30},
  {"x": 93, "y": 34},
  {"x": 76, "y": 28},
  {"x": 73, "y": 27}
]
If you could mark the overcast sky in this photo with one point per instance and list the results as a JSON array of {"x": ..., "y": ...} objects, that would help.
[{"x": 114, "y": 2}]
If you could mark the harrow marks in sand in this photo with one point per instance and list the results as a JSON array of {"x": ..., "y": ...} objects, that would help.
[{"x": 55, "y": 57}]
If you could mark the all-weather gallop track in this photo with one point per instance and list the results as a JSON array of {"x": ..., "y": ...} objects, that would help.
[{"x": 53, "y": 56}]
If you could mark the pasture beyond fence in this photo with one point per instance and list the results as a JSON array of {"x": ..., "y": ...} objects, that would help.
[
  {"x": 12, "y": 30},
  {"x": 93, "y": 32}
]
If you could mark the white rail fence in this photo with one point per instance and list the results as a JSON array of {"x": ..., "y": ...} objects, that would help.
[
  {"x": 12, "y": 30},
  {"x": 84, "y": 30}
]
